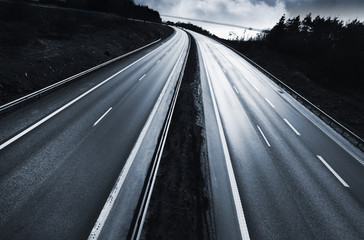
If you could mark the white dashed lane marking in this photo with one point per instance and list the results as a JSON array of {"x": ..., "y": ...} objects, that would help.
[
  {"x": 290, "y": 125},
  {"x": 333, "y": 171}
]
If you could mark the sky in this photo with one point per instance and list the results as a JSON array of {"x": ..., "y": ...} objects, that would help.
[{"x": 260, "y": 14}]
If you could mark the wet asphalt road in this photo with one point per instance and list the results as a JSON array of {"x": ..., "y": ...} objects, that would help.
[
  {"x": 71, "y": 145},
  {"x": 277, "y": 172}
]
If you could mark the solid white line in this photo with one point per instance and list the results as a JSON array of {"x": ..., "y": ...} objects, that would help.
[
  {"x": 19, "y": 135},
  {"x": 75, "y": 76},
  {"x": 236, "y": 196},
  {"x": 290, "y": 125},
  {"x": 261, "y": 132},
  {"x": 333, "y": 171},
  {"x": 102, "y": 117},
  {"x": 266, "y": 99},
  {"x": 124, "y": 172},
  {"x": 324, "y": 129},
  {"x": 142, "y": 77},
  {"x": 236, "y": 90}
]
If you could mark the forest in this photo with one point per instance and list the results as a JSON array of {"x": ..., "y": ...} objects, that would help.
[
  {"x": 332, "y": 49},
  {"x": 192, "y": 27}
]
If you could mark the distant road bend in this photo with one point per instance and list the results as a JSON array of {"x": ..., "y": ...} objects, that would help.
[
  {"x": 277, "y": 172},
  {"x": 61, "y": 155},
  {"x": 216, "y": 23}
]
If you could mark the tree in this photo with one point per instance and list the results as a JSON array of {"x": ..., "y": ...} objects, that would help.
[
  {"x": 293, "y": 25},
  {"x": 307, "y": 23},
  {"x": 280, "y": 27}
]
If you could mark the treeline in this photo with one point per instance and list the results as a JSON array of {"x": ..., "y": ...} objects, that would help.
[
  {"x": 192, "y": 27},
  {"x": 334, "y": 50},
  {"x": 124, "y": 8}
]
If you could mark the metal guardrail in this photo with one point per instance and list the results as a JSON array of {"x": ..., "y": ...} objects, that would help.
[
  {"x": 338, "y": 127},
  {"x": 22, "y": 100}
]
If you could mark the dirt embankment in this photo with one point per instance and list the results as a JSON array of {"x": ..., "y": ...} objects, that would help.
[
  {"x": 344, "y": 104},
  {"x": 43, "y": 45},
  {"x": 180, "y": 207}
]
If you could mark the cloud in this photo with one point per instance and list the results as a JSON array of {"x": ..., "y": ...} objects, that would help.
[
  {"x": 324, "y": 4},
  {"x": 344, "y": 9},
  {"x": 260, "y": 14},
  {"x": 268, "y": 2},
  {"x": 252, "y": 13}
]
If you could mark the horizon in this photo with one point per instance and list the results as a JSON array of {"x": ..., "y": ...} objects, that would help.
[{"x": 256, "y": 14}]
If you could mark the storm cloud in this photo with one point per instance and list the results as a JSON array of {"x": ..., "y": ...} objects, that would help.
[
  {"x": 346, "y": 9},
  {"x": 261, "y": 14},
  {"x": 256, "y": 8},
  {"x": 257, "y": 14}
]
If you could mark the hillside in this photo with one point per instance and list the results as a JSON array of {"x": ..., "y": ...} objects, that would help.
[
  {"x": 42, "y": 45},
  {"x": 321, "y": 59}
]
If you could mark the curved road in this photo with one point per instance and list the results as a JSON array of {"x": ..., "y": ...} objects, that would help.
[
  {"x": 277, "y": 172},
  {"x": 61, "y": 155}
]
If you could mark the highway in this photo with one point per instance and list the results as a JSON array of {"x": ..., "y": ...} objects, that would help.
[
  {"x": 62, "y": 154},
  {"x": 277, "y": 172},
  {"x": 73, "y": 162}
]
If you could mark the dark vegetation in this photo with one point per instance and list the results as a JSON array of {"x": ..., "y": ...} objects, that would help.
[
  {"x": 334, "y": 50},
  {"x": 320, "y": 58},
  {"x": 43, "y": 45},
  {"x": 179, "y": 207},
  {"x": 124, "y": 8},
  {"x": 193, "y": 27}
]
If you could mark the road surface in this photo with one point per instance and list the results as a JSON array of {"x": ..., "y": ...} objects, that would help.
[
  {"x": 61, "y": 155},
  {"x": 277, "y": 172}
]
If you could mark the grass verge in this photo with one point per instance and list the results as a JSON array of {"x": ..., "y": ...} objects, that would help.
[
  {"x": 344, "y": 103},
  {"x": 43, "y": 45}
]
